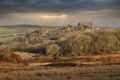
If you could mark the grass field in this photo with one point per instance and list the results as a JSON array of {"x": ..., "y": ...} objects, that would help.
[{"x": 11, "y": 32}]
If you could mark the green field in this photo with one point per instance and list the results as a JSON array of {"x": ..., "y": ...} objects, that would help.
[{"x": 11, "y": 32}]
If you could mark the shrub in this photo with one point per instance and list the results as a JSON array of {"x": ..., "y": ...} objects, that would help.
[
  {"x": 104, "y": 41},
  {"x": 17, "y": 46},
  {"x": 53, "y": 50},
  {"x": 36, "y": 48},
  {"x": 78, "y": 45},
  {"x": 117, "y": 34},
  {"x": 13, "y": 46},
  {"x": 99, "y": 41}
]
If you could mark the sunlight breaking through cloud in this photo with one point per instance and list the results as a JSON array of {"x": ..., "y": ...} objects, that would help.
[{"x": 53, "y": 16}]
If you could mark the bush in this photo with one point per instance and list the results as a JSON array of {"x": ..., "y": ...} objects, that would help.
[
  {"x": 104, "y": 41},
  {"x": 78, "y": 45},
  {"x": 53, "y": 50},
  {"x": 13, "y": 46},
  {"x": 36, "y": 48},
  {"x": 117, "y": 34},
  {"x": 100, "y": 41}
]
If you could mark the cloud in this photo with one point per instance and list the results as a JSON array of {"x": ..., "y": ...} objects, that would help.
[
  {"x": 56, "y": 10},
  {"x": 55, "y": 6}
]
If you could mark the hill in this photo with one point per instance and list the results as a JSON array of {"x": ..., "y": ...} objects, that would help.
[{"x": 66, "y": 41}]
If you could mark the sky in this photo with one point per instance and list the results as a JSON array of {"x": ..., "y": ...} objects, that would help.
[{"x": 60, "y": 12}]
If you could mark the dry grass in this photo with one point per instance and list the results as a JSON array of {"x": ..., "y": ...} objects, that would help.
[
  {"x": 67, "y": 69},
  {"x": 100, "y": 72}
]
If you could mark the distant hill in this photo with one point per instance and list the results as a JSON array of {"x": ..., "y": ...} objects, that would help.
[{"x": 28, "y": 25}]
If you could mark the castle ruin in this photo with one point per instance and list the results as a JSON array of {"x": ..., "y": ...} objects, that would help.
[{"x": 85, "y": 25}]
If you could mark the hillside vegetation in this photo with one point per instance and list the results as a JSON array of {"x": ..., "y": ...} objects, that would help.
[{"x": 66, "y": 41}]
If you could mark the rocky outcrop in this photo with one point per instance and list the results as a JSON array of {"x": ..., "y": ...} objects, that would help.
[
  {"x": 25, "y": 56},
  {"x": 16, "y": 57}
]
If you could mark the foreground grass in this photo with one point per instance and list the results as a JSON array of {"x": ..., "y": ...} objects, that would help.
[
  {"x": 97, "y": 67},
  {"x": 98, "y": 72}
]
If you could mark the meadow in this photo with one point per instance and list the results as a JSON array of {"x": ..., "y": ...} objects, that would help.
[{"x": 8, "y": 33}]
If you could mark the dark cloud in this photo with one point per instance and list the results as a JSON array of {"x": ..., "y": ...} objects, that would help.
[{"x": 20, "y": 6}]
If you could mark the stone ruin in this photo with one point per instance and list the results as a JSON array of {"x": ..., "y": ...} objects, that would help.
[{"x": 85, "y": 25}]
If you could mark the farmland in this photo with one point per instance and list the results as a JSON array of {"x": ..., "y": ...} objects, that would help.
[{"x": 10, "y": 32}]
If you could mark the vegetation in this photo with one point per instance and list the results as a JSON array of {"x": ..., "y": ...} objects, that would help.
[
  {"x": 62, "y": 73},
  {"x": 53, "y": 50},
  {"x": 63, "y": 42},
  {"x": 95, "y": 67},
  {"x": 67, "y": 41},
  {"x": 10, "y": 32}
]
